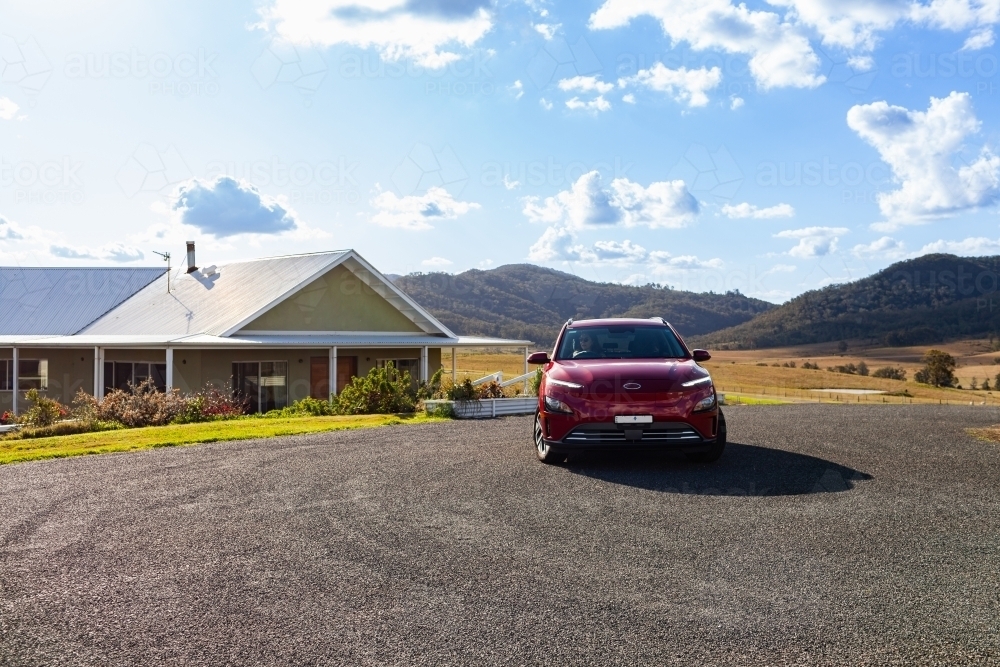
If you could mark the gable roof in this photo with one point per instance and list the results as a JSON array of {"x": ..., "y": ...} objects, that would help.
[
  {"x": 49, "y": 301},
  {"x": 222, "y": 304}
]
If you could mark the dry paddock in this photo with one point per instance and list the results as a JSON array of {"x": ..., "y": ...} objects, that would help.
[{"x": 827, "y": 534}]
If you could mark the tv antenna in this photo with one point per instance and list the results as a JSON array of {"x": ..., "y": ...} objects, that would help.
[{"x": 166, "y": 258}]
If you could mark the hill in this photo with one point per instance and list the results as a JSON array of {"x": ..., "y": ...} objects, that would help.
[
  {"x": 914, "y": 302},
  {"x": 531, "y": 302}
]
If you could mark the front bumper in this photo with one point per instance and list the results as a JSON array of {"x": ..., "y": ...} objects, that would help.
[{"x": 594, "y": 436}]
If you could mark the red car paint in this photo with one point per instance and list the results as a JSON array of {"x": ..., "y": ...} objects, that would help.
[{"x": 624, "y": 387}]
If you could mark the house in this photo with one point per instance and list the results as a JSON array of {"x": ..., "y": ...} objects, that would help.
[{"x": 276, "y": 329}]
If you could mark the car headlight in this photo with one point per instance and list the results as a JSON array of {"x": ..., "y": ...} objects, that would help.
[
  {"x": 563, "y": 383},
  {"x": 707, "y": 403},
  {"x": 555, "y": 405},
  {"x": 701, "y": 380}
]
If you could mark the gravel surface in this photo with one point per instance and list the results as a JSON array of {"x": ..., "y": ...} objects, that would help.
[{"x": 827, "y": 534}]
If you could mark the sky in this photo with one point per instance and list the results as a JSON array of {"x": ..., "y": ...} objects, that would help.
[{"x": 767, "y": 147}]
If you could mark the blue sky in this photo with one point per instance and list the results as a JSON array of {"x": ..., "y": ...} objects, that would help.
[{"x": 772, "y": 147}]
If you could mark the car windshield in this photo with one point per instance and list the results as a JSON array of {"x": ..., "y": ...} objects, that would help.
[{"x": 620, "y": 342}]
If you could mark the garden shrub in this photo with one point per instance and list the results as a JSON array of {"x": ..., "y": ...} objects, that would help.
[
  {"x": 306, "y": 407},
  {"x": 382, "y": 391},
  {"x": 44, "y": 411}
]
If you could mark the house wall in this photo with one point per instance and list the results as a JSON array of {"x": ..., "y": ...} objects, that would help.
[
  {"x": 69, "y": 371},
  {"x": 73, "y": 369},
  {"x": 337, "y": 301},
  {"x": 193, "y": 369}
]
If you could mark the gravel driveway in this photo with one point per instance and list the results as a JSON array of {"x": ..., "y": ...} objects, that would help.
[{"x": 827, "y": 534}]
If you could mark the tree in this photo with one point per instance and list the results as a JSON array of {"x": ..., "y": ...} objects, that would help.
[
  {"x": 938, "y": 370},
  {"x": 842, "y": 346},
  {"x": 862, "y": 368},
  {"x": 986, "y": 384}
]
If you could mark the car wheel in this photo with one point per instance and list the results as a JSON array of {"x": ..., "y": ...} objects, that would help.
[
  {"x": 542, "y": 448},
  {"x": 715, "y": 451}
]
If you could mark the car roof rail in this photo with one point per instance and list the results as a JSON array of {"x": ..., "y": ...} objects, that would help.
[
  {"x": 569, "y": 322},
  {"x": 661, "y": 320}
]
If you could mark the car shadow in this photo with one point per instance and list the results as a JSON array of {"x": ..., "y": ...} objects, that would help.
[{"x": 743, "y": 470}]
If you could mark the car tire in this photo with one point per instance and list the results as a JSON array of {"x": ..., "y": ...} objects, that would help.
[
  {"x": 542, "y": 448},
  {"x": 712, "y": 454}
]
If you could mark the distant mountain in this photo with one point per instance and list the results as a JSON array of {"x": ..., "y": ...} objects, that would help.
[
  {"x": 530, "y": 302},
  {"x": 918, "y": 301}
]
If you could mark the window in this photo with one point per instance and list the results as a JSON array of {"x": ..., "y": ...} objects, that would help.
[
  {"x": 31, "y": 374},
  {"x": 121, "y": 374},
  {"x": 411, "y": 366},
  {"x": 264, "y": 384},
  {"x": 620, "y": 342}
]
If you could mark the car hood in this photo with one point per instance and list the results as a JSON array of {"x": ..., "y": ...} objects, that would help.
[{"x": 653, "y": 375}]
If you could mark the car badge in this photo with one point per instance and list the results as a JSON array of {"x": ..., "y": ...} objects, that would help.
[{"x": 632, "y": 385}]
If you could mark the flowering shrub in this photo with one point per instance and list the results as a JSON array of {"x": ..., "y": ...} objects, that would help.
[
  {"x": 6, "y": 418},
  {"x": 43, "y": 411}
]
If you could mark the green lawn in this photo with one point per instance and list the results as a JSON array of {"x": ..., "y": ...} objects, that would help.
[{"x": 12, "y": 451}]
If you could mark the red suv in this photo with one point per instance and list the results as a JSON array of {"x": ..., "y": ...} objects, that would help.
[{"x": 615, "y": 383}]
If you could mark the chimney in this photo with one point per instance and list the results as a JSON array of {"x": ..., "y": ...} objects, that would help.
[{"x": 192, "y": 267}]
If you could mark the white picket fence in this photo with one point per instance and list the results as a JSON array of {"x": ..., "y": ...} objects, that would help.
[{"x": 486, "y": 408}]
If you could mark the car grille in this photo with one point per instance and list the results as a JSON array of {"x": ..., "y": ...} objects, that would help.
[{"x": 603, "y": 435}]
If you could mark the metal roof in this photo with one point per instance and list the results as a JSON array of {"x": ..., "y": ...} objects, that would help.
[
  {"x": 207, "y": 341},
  {"x": 223, "y": 303},
  {"x": 49, "y": 301}
]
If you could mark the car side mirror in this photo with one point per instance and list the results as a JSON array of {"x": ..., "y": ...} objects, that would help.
[
  {"x": 701, "y": 355},
  {"x": 538, "y": 358}
]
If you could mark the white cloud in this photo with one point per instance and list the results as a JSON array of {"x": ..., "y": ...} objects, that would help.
[
  {"x": 509, "y": 183},
  {"x": 885, "y": 247},
  {"x": 585, "y": 84},
  {"x": 8, "y": 108},
  {"x": 545, "y": 104},
  {"x": 416, "y": 212},
  {"x": 855, "y": 25},
  {"x": 628, "y": 98},
  {"x": 687, "y": 86},
  {"x": 595, "y": 105},
  {"x": 780, "y": 54},
  {"x": 735, "y": 103},
  {"x": 780, "y": 268},
  {"x": 861, "y": 63},
  {"x": 485, "y": 264},
  {"x": 436, "y": 262},
  {"x": 9, "y": 231},
  {"x": 115, "y": 252},
  {"x": 227, "y": 207},
  {"x": 686, "y": 262},
  {"x": 555, "y": 244},
  {"x": 426, "y": 32},
  {"x": 970, "y": 247},
  {"x": 547, "y": 30},
  {"x": 517, "y": 89},
  {"x": 559, "y": 244},
  {"x": 813, "y": 241},
  {"x": 980, "y": 39},
  {"x": 746, "y": 210},
  {"x": 614, "y": 251},
  {"x": 588, "y": 203},
  {"x": 919, "y": 147}
]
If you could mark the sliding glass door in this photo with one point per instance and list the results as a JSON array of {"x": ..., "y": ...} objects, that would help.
[{"x": 264, "y": 384}]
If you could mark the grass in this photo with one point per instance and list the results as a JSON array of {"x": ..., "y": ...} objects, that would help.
[
  {"x": 989, "y": 434},
  {"x": 740, "y": 399},
  {"x": 13, "y": 451}
]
